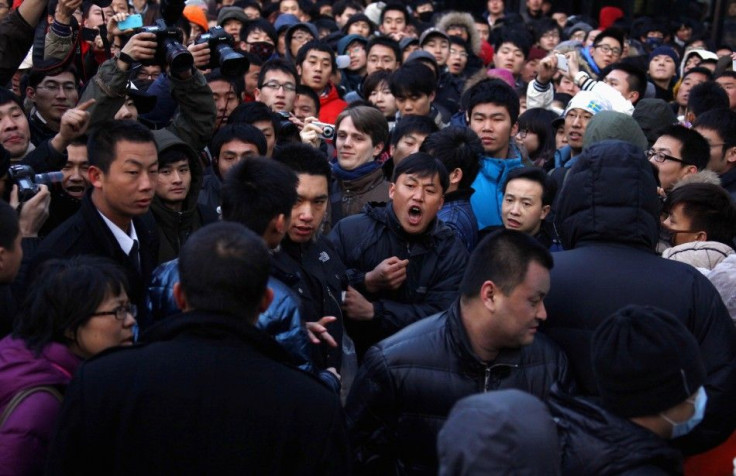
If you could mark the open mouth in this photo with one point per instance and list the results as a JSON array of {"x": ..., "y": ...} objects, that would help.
[{"x": 415, "y": 215}]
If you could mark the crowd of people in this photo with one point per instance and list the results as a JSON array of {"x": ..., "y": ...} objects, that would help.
[{"x": 296, "y": 237}]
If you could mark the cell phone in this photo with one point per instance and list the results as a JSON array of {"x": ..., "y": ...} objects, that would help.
[
  {"x": 561, "y": 62},
  {"x": 133, "y": 21},
  {"x": 328, "y": 130},
  {"x": 89, "y": 34}
]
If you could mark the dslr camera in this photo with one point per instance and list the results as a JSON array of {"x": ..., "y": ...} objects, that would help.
[
  {"x": 169, "y": 50},
  {"x": 222, "y": 55},
  {"x": 28, "y": 181}
]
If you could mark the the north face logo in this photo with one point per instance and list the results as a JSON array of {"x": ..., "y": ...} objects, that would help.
[{"x": 324, "y": 257}]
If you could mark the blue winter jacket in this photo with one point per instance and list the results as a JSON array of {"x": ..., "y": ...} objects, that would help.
[{"x": 488, "y": 186}]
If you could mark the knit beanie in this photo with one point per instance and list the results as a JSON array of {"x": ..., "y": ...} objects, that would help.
[
  {"x": 588, "y": 101},
  {"x": 665, "y": 51},
  {"x": 197, "y": 16},
  {"x": 645, "y": 361}
]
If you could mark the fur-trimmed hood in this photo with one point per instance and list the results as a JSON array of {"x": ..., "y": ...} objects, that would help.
[
  {"x": 704, "y": 176},
  {"x": 466, "y": 20}
]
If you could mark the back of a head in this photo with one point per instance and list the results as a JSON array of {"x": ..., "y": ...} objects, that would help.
[
  {"x": 256, "y": 191},
  {"x": 645, "y": 361},
  {"x": 609, "y": 195},
  {"x": 653, "y": 115},
  {"x": 457, "y": 148},
  {"x": 495, "y": 433},
  {"x": 101, "y": 148},
  {"x": 53, "y": 309},
  {"x": 706, "y": 97},
  {"x": 614, "y": 125},
  {"x": 709, "y": 208},
  {"x": 224, "y": 268},
  {"x": 502, "y": 257},
  {"x": 249, "y": 113}
]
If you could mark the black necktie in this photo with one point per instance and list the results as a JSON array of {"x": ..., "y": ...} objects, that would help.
[{"x": 135, "y": 256}]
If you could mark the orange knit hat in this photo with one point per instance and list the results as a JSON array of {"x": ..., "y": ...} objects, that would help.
[{"x": 196, "y": 15}]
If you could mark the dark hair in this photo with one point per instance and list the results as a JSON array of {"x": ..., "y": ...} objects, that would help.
[
  {"x": 410, "y": 124},
  {"x": 9, "y": 227},
  {"x": 494, "y": 91},
  {"x": 244, "y": 132},
  {"x": 387, "y": 42},
  {"x": 535, "y": 174},
  {"x": 635, "y": 76},
  {"x": 50, "y": 67},
  {"x": 502, "y": 257},
  {"x": 539, "y": 122},
  {"x": 258, "y": 24},
  {"x": 457, "y": 148},
  {"x": 698, "y": 69},
  {"x": 709, "y": 207},
  {"x": 544, "y": 25},
  {"x": 224, "y": 268},
  {"x": 315, "y": 45},
  {"x": 52, "y": 308},
  {"x": 412, "y": 78},
  {"x": 236, "y": 83},
  {"x": 277, "y": 64},
  {"x": 367, "y": 120},
  {"x": 398, "y": 6},
  {"x": 304, "y": 159},
  {"x": 173, "y": 154},
  {"x": 726, "y": 74},
  {"x": 307, "y": 91},
  {"x": 611, "y": 32},
  {"x": 358, "y": 17},
  {"x": 256, "y": 191},
  {"x": 695, "y": 149},
  {"x": 519, "y": 38},
  {"x": 706, "y": 97},
  {"x": 6, "y": 96},
  {"x": 250, "y": 113},
  {"x": 101, "y": 147},
  {"x": 373, "y": 80},
  {"x": 422, "y": 165},
  {"x": 339, "y": 7},
  {"x": 722, "y": 121}
]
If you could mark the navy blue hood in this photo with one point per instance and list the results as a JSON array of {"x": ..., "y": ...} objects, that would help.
[{"x": 609, "y": 195}]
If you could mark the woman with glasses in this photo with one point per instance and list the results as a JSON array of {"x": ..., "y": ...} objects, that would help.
[{"x": 74, "y": 310}]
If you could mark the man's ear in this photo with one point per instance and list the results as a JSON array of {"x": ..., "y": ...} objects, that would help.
[
  {"x": 545, "y": 211},
  {"x": 488, "y": 295},
  {"x": 701, "y": 236},
  {"x": 180, "y": 298},
  {"x": 377, "y": 149},
  {"x": 456, "y": 176},
  {"x": 30, "y": 93},
  {"x": 279, "y": 223},
  {"x": 689, "y": 117},
  {"x": 514, "y": 129},
  {"x": 391, "y": 190},
  {"x": 730, "y": 155},
  {"x": 298, "y": 68},
  {"x": 95, "y": 176}
]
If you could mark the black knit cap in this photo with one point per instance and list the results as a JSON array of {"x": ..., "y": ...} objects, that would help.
[{"x": 645, "y": 361}]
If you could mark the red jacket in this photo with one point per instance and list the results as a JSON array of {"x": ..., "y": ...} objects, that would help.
[{"x": 330, "y": 105}]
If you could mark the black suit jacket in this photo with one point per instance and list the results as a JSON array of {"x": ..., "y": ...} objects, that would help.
[{"x": 86, "y": 233}]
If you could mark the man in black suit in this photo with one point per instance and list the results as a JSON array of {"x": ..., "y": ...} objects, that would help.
[
  {"x": 113, "y": 220},
  {"x": 209, "y": 393}
]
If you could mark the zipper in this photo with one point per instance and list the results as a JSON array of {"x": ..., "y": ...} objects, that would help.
[
  {"x": 486, "y": 379},
  {"x": 489, "y": 368}
]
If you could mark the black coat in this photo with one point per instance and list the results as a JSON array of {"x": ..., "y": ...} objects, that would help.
[
  {"x": 437, "y": 260},
  {"x": 608, "y": 220},
  {"x": 410, "y": 381},
  {"x": 86, "y": 233},
  {"x": 595, "y": 441},
  {"x": 208, "y": 395}
]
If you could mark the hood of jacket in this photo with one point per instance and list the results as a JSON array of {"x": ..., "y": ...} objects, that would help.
[
  {"x": 614, "y": 125},
  {"x": 703, "y": 176},
  {"x": 20, "y": 368},
  {"x": 166, "y": 140},
  {"x": 699, "y": 254},
  {"x": 495, "y": 432},
  {"x": 609, "y": 195},
  {"x": 466, "y": 20},
  {"x": 653, "y": 115}
]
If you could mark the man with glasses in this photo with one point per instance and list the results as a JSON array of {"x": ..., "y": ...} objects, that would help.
[
  {"x": 52, "y": 92},
  {"x": 277, "y": 83},
  {"x": 677, "y": 153},
  {"x": 604, "y": 51}
]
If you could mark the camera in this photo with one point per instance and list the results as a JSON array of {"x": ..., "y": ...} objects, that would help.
[
  {"x": 231, "y": 63},
  {"x": 169, "y": 49},
  {"x": 328, "y": 130},
  {"x": 28, "y": 181},
  {"x": 286, "y": 128}
]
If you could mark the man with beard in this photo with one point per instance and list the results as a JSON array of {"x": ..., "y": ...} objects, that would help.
[{"x": 403, "y": 264}]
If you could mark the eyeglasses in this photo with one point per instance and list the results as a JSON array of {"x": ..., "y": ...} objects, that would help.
[
  {"x": 459, "y": 53},
  {"x": 67, "y": 88},
  {"x": 289, "y": 87},
  {"x": 120, "y": 312},
  {"x": 660, "y": 157},
  {"x": 302, "y": 37},
  {"x": 143, "y": 75},
  {"x": 355, "y": 49},
  {"x": 607, "y": 49},
  {"x": 522, "y": 133}
]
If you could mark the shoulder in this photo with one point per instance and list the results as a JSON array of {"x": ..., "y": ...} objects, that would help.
[{"x": 415, "y": 343}]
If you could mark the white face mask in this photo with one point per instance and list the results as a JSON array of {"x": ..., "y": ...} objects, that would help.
[{"x": 685, "y": 427}]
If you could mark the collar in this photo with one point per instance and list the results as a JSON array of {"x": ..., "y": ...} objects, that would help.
[
  {"x": 34, "y": 113},
  {"x": 124, "y": 240}
]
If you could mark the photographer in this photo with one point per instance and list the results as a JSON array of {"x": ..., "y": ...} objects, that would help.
[
  {"x": 16, "y": 36},
  {"x": 193, "y": 123}
]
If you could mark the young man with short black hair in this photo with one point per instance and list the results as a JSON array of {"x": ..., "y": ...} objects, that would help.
[
  {"x": 415, "y": 86},
  {"x": 408, "y": 135},
  {"x": 718, "y": 127},
  {"x": 315, "y": 64}
]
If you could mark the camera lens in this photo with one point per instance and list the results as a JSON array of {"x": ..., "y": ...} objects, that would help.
[
  {"x": 178, "y": 57},
  {"x": 232, "y": 63}
]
